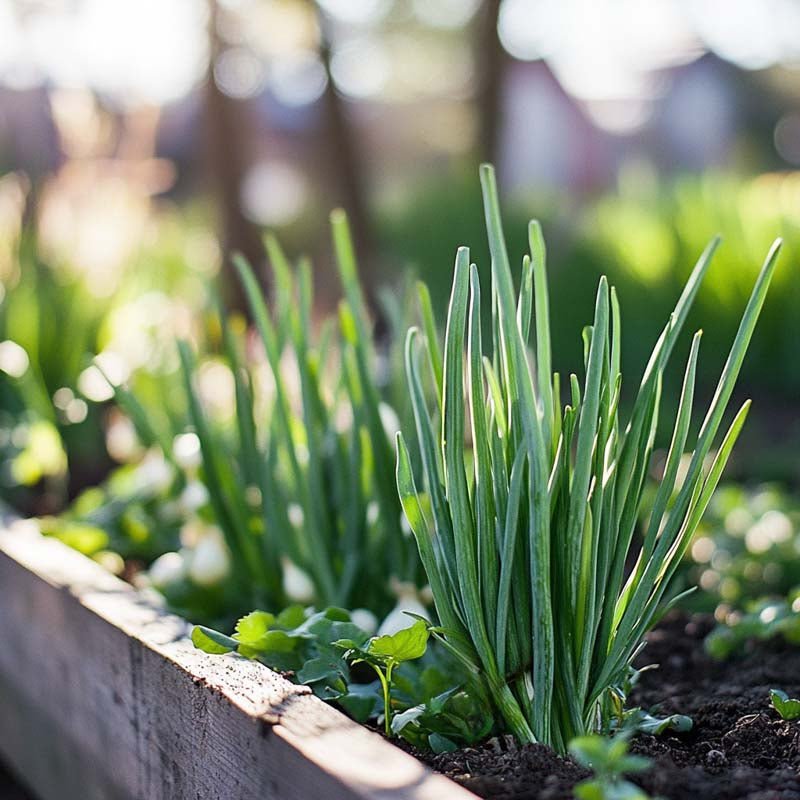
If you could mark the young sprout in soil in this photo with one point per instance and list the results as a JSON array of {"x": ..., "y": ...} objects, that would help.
[
  {"x": 525, "y": 535},
  {"x": 610, "y": 762},
  {"x": 787, "y": 707},
  {"x": 384, "y": 654},
  {"x": 306, "y": 480}
]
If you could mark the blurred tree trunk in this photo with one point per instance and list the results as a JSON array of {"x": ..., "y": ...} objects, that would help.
[
  {"x": 491, "y": 58},
  {"x": 227, "y": 127},
  {"x": 347, "y": 168}
]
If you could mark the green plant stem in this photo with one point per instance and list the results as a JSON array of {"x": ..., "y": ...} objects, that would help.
[{"x": 386, "y": 682}]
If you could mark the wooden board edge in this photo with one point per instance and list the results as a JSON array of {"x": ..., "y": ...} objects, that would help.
[{"x": 354, "y": 757}]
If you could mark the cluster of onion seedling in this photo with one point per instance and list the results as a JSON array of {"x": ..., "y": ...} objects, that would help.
[
  {"x": 305, "y": 481},
  {"x": 525, "y": 536},
  {"x": 523, "y": 507}
]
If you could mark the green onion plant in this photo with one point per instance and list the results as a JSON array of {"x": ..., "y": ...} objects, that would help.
[
  {"x": 293, "y": 482},
  {"x": 526, "y": 509}
]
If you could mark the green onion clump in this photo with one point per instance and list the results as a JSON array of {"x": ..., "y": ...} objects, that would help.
[
  {"x": 527, "y": 533},
  {"x": 307, "y": 476}
]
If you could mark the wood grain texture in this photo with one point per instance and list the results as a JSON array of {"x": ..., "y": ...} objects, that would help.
[{"x": 102, "y": 697}]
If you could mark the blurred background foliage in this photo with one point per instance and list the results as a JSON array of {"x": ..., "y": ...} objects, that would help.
[{"x": 139, "y": 141}]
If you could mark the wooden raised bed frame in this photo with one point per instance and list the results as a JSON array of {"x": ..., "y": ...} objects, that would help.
[{"x": 102, "y": 696}]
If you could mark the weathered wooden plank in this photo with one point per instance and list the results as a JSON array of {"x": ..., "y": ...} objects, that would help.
[{"x": 102, "y": 697}]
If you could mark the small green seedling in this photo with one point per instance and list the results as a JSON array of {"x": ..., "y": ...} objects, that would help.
[
  {"x": 638, "y": 721},
  {"x": 629, "y": 721},
  {"x": 787, "y": 707},
  {"x": 610, "y": 761},
  {"x": 384, "y": 654}
]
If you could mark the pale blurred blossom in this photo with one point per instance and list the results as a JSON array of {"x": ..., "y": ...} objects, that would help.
[
  {"x": 153, "y": 474},
  {"x": 296, "y": 516},
  {"x": 296, "y": 583},
  {"x": 738, "y": 520},
  {"x": 703, "y": 549},
  {"x": 773, "y": 528},
  {"x": 210, "y": 561},
  {"x": 373, "y": 512},
  {"x": 216, "y": 388},
  {"x": 365, "y": 620},
  {"x": 13, "y": 359},
  {"x": 167, "y": 570},
  {"x": 122, "y": 441},
  {"x": 408, "y": 600},
  {"x": 94, "y": 386},
  {"x": 187, "y": 452},
  {"x": 193, "y": 497}
]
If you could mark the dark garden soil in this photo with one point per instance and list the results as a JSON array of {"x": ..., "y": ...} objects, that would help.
[
  {"x": 739, "y": 748},
  {"x": 9, "y": 788}
]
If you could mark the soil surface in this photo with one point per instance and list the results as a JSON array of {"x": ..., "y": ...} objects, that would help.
[
  {"x": 9, "y": 788},
  {"x": 738, "y": 749}
]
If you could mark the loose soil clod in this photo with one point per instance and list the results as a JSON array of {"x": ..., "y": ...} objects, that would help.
[{"x": 739, "y": 748}]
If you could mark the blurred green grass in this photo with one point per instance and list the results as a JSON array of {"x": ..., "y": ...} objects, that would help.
[{"x": 645, "y": 236}]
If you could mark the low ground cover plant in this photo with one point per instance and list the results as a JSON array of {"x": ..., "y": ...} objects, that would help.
[
  {"x": 744, "y": 557},
  {"x": 525, "y": 536},
  {"x": 746, "y": 549},
  {"x": 767, "y": 619},
  {"x": 419, "y": 691}
]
